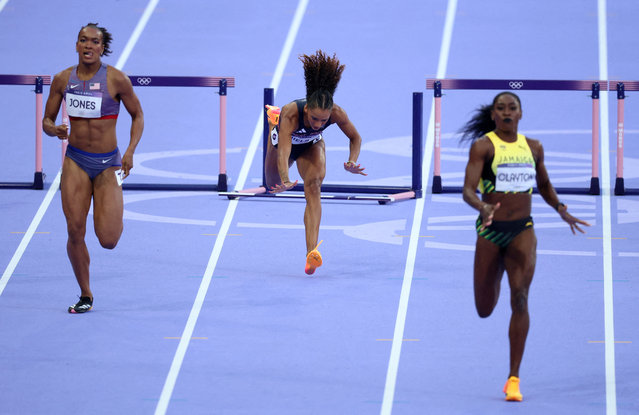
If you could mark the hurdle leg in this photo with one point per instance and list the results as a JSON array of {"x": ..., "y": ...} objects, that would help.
[
  {"x": 269, "y": 99},
  {"x": 399, "y": 196},
  {"x": 619, "y": 184},
  {"x": 38, "y": 178},
  {"x": 594, "y": 180},
  {"x": 437, "y": 177},
  {"x": 222, "y": 184},
  {"x": 418, "y": 135}
]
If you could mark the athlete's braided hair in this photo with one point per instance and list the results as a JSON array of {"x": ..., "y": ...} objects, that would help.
[
  {"x": 106, "y": 37},
  {"x": 322, "y": 74},
  {"x": 482, "y": 123}
]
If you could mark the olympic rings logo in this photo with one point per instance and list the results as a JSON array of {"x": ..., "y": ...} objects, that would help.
[
  {"x": 144, "y": 81},
  {"x": 515, "y": 84}
]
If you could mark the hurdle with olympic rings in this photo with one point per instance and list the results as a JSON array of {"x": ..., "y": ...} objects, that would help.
[
  {"x": 140, "y": 81},
  {"x": 437, "y": 85},
  {"x": 190, "y": 81}
]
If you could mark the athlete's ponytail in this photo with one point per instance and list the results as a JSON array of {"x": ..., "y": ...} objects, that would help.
[
  {"x": 482, "y": 122},
  {"x": 322, "y": 74}
]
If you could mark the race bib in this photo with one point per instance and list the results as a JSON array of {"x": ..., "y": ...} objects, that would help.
[
  {"x": 84, "y": 106},
  {"x": 295, "y": 140},
  {"x": 313, "y": 138},
  {"x": 515, "y": 177}
]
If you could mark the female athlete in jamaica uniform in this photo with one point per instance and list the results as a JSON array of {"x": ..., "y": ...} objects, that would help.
[
  {"x": 506, "y": 166},
  {"x": 296, "y": 137}
]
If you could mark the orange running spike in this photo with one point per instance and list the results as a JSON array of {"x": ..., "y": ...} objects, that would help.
[
  {"x": 511, "y": 389},
  {"x": 313, "y": 260}
]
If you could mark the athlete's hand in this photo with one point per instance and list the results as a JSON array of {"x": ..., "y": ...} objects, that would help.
[
  {"x": 279, "y": 188},
  {"x": 62, "y": 131},
  {"x": 354, "y": 168},
  {"x": 487, "y": 212},
  {"x": 571, "y": 220},
  {"x": 127, "y": 164}
]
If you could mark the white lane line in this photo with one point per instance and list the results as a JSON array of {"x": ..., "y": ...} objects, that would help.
[
  {"x": 400, "y": 322},
  {"x": 609, "y": 329},
  {"x": 6, "y": 275},
  {"x": 150, "y": 7},
  {"x": 171, "y": 379},
  {"x": 275, "y": 83}
]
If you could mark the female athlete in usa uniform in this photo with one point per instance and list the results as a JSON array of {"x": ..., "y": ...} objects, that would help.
[{"x": 92, "y": 92}]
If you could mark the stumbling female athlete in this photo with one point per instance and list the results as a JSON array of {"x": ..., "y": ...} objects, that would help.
[{"x": 296, "y": 136}]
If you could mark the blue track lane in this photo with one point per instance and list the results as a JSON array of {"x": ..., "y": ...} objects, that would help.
[{"x": 269, "y": 339}]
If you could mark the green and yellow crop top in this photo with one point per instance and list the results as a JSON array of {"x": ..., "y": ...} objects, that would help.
[{"x": 512, "y": 169}]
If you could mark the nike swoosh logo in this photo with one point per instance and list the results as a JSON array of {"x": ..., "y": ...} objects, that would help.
[
  {"x": 106, "y": 161},
  {"x": 74, "y": 86}
]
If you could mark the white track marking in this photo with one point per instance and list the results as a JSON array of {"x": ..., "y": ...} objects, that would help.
[
  {"x": 185, "y": 339},
  {"x": 136, "y": 33},
  {"x": 609, "y": 328},
  {"x": 400, "y": 322},
  {"x": 6, "y": 275}
]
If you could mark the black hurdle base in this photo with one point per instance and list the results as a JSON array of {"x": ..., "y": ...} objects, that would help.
[
  {"x": 38, "y": 183},
  {"x": 595, "y": 188},
  {"x": 620, "y": 189},
  {"x": 437, "y": 184}
]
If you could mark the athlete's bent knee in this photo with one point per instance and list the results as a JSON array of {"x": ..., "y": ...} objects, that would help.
[
  {"x": 314, "y": 184},
  {"x": 109, "y": 240},
  {"x": 484, "y": 312},
  {"x": 484, "y": 309},
  {"x": 109, "y": 243}
]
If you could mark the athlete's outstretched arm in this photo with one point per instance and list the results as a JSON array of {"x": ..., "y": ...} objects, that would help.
[{"x": 348, "y": 128}]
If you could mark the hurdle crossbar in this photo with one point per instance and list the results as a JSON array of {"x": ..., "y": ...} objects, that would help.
[
  {"x": 222, "y": 83},
  {"x": 437, "y": 85},
  {"x": 38, "y": 81},
  {"x": 384, "y": 193},
  {"x": 621, "y": 87}
]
